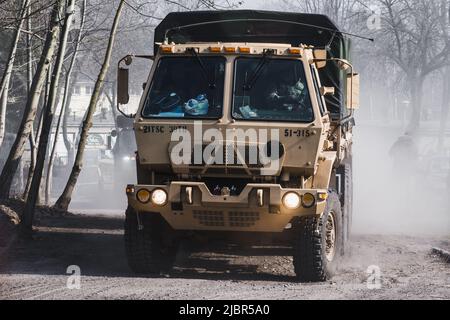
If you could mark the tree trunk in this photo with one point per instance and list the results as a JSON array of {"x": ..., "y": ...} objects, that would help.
[
  {"x": 416, "y": 90},
  {"x": 3, "y": 105},
  {"x": 4, "y": 84},
  {"x": 65, "y": 198},
  {"x": 29, "y": 114},
  {"x": 31, "y": 139},
  {"x": 67, "y": 143},
  {"x": 34, "y": 136},
  {"x": 48, "y": 182},
  {"x": 49, "y": 111},
  {"x": 64, "y": 104},
  {"x": 445, "y": 108}
]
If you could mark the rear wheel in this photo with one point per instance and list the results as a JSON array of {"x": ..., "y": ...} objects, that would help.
[
  {"x": 152, "y": 248},
  {"x": 318, "y": 243}
]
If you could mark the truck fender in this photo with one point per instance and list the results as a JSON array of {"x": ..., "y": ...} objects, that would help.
[{"x": 324, "y": 170}]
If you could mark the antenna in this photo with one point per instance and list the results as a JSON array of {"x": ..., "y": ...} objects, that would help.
[{"x": 168, "y": 31}]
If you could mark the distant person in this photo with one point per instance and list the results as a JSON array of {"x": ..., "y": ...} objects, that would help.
[{"x": 404, "y": 153}]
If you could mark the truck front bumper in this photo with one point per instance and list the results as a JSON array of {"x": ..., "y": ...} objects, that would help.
[{"x": 259, "y": 207}]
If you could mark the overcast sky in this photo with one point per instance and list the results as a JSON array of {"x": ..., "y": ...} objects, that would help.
[{"x": 258, "y": 4}]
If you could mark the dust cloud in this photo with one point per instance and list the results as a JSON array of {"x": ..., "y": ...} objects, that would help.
[{"x": 389, "y": 201}]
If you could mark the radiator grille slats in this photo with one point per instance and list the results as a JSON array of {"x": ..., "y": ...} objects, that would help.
[
  {"x": 242, "y": 219},
  {"x": 211, "y": 218}
]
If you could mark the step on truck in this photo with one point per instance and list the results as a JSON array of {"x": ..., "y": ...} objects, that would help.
[{"x": 244, "y": 131}]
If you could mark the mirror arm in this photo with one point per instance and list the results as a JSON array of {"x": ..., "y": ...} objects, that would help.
[{"x": 131, "y": 115}]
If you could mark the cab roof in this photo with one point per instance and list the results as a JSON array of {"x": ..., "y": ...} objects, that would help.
[
  {"x": 254, "y": 26},
  {"x": 248, "y": 26}
]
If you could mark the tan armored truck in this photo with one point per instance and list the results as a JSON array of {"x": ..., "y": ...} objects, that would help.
[{"x": 244, "y": 130}]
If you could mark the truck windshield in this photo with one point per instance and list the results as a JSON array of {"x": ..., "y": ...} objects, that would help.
[
  {"x": 279, "y": 92},
  {"x": 180, "y": 89}
]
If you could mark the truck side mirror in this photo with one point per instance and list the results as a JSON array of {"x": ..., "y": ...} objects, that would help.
[
  {"x": 123, "y": 96},
  {"x": 352, "y": 98},
  {"x": 320, "y": 55}
]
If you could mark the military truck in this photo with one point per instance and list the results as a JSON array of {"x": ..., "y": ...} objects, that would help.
[{"x": 244, "y": 130}]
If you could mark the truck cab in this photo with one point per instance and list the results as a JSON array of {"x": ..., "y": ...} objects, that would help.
[{"x": 238, "y": 132}]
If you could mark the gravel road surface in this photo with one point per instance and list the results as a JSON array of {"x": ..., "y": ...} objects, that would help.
[{"x": 407, "y": 268}]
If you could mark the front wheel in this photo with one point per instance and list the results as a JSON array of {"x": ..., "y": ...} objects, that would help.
[
  {"x": 318, "y": 242},
  {"x": 149, "y": 243}
]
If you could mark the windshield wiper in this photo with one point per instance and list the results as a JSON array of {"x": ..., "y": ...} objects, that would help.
[
  {"x": 259, "y": 69},
  {"x": 211, "y": 84}
]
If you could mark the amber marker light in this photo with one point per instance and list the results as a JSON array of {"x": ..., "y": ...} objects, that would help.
[
  {"x": 244, "y": 50},
  {"x": 308, "y": 200},
  {"x": 143, "y": 196},
  {"x": 167, "y": 49},
  {"x": 230, "y": 49},
  {"x": 322, "y": 196},
  {"x": 215, "y": 49}
]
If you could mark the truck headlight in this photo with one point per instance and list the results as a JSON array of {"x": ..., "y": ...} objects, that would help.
[
  {"x": 159, "y": 197},
  {"x": 143, "y": 195},
  {"x": 308, "y": 200},
  {"x": 291, "y": 200}
]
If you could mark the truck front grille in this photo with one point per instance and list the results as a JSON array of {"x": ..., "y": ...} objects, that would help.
[
  {"x": 210, "y": 218},
  {"x": 240, "y": 219},
  {"x": 234, "y": 156}
]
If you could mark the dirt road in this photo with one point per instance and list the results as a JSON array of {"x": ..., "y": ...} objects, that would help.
[{"x": 38, "y": 271}]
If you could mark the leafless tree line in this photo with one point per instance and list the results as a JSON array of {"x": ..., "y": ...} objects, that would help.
[
  {"x": 411, "y": 49},
  {"x": 52, "y": 49}
]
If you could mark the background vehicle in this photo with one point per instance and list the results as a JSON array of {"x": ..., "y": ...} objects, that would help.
[{"x": 238, "y": 71}]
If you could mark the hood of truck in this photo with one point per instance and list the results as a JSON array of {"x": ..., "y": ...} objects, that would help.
[{"x": 158, "y": 142}]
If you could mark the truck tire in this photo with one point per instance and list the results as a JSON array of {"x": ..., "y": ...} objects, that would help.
[
  {"x": 148, "y": 251},
  {"x": 318, "y": 242}
]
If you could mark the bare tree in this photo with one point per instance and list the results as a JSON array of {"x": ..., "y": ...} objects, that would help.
[
  {"x": 29, "y": 115},
  {"x": 49, "y": 110},
  {"x": 67, "y": 143},
  {"x": 31, "y": 139},
  {"x": 34, "y": 136},
  {"x": 415, "y": 37},
  {"x": 346, "y": 14},
  {"x": 65, "y": 100},
  {"x": 65, "y": 198},
  {"x": 4, "y": 84}
]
